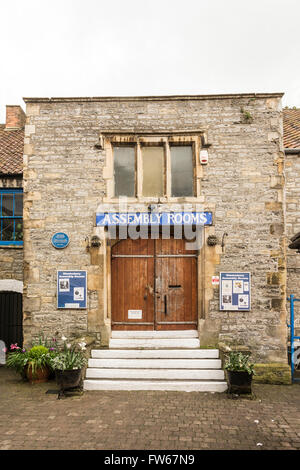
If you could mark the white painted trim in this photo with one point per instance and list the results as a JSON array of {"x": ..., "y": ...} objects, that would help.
[{"x": 11, "y": 285}]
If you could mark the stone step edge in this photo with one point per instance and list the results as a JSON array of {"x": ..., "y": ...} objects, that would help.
[
  {"x": 180, "y": 386},
  {"x": 190, "y": 332},
  {"x": 153, "y": 347},
  {"x": 155, "y": 354},
  {"x": 110, "y": 379},
  {"x": 124, "y": 366},
  {"x": 159, "y": 368}
]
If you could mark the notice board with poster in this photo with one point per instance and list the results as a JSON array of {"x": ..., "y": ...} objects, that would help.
[
  {"x": 235, "y": 291},
  {"x": 71, "y": 289}
]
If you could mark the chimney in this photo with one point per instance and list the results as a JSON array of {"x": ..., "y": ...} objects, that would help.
[{"x": 15, "y": 117}]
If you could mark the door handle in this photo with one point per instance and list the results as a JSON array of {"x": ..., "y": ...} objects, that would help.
[{"x": 165, "y": 301}]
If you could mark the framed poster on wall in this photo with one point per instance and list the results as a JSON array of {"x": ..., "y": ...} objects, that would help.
[
  {"x": 71, "y": 289},
  {"x": 235, "y": 291}
]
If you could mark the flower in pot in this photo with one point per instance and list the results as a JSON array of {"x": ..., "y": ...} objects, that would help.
[
  {"x": 239, "y": 372},
  {"x": 68, "y": 365},
  {"x": 37, "y": 369},
  {"x": 51, "y": 345},
  {"x": 32, "y": 363},
  {"x": 17, "y": 359}
]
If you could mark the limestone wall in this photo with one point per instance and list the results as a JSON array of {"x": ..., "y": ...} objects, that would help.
[
  {"x": 242, "y": 185},
  {"x": 11, "y": 258},
  {"x": 292, "y": 172}
]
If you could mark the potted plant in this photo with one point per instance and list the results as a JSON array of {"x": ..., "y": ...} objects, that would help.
[
  {"x": 17, "y": 359},
  {"x": 239, "y": 372},
  {"x": 68, "y": 365},
  {"x": 37, "y": 369},
  {"x": 32, "y": 363}
]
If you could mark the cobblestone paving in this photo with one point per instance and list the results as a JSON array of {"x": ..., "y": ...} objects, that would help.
[{"x": 32, "y": 419}]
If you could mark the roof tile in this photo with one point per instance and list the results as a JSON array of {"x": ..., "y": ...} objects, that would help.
[
  {"x": 291, "y": 128},
  {"x": 11, "y": 151}
]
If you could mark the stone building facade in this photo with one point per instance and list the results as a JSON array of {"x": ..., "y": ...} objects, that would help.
[
  {"x": 69, "y": 173},
  {"x": 11, "y": 178},
  {"x": 291, "y": 122},
  {"x": 11, "y": 225}
]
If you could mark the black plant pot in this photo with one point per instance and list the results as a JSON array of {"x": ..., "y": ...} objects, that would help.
[
  {"x": 67, "y": 379},
  {"x": 239, "y": 382}
]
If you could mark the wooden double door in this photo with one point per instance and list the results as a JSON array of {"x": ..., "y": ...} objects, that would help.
[{"x": 153, "y": 285}]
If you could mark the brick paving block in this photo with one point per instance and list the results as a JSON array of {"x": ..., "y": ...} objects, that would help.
[{"x": 147, "y": 420}]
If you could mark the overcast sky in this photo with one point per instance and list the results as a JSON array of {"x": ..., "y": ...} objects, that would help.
[{"x": 148, "y": 47}]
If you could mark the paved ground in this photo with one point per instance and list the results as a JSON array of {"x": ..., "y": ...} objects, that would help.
[{"x": 32, "y": 419}]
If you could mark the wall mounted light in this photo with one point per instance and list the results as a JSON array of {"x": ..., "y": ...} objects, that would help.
[
  {"x": 94, "y": 243},
  {"x": 212, "y": 240}
]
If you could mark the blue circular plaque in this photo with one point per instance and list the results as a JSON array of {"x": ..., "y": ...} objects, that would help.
[{"x": 60, "y": 240}]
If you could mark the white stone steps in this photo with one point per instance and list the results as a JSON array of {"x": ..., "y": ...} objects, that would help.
[
  {"x": 155, "y": 354},
  {"x": 155, "y": 363},
  {"x": 176, "y": 386},
  {"x": 160, "y": 374},
  {"x": 155, "y": 334},
  {"x": 155, "y": 360},
  {"x": 154, "y": 343}
]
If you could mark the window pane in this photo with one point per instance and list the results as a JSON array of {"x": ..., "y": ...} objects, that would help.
[
  {"x": 18, "y": 204},
  {"x": 182, "y": 171},
  {"x": 124, "y": 170},
  {"x": 7, "y": 204},
  {"x": 19, "y": 230},
  {"x": 153, "y": 171},
  {"x": 7, "y": 229}
]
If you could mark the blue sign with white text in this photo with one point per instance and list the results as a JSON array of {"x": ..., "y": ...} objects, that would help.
[
  {"x": 235, "y": 291},
  {"x": 71, "y": 289},
  {"x": 109, "y": 219},
  {"x": 60, "y": 240}
]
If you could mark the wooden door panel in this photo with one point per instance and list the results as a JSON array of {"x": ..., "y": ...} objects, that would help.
[
  {"x": 172, "y": 246},
  {"x": 176, "y": 304},
  {"x": 158, "y": 277},
  {"x": 132, "y": 279},
  {"x": 132, "y": 284},
  {"x": 133, "y": 247}
]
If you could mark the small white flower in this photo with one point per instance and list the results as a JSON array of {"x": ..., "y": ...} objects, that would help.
[
  {"x": 259, "y": 444},
  {"x": 64, "y": 338},
  {"x": 69, "y": 345},
  {"x": 256, "y": 421}
]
